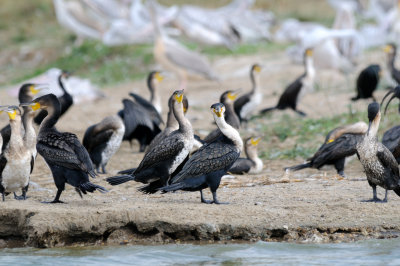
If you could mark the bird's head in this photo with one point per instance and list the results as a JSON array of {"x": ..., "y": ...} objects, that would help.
[
  {"x": 390, "y": 48},
  {"x": 173, "y": 99},
  {"x": 308, "y": 52},
  {"x": 44, "y": 102},
  {"x": 374, "y": 115},
  {"x": 66, "y": 74},
  {"x": 396, "y": 94},
  {"x": 218, "y": 109},
  {"x": 251, "y": 144},
  {"x": 30, "y": 90},
  {"x": 13, "y": 112},
  {"x": 229, "y": 96},
  {"x": 256, "y": 68}
]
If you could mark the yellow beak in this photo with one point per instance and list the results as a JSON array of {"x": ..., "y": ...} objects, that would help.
[
  {"x": 179, "y": 97},
  {"x": 217, "y": 112},
  {"x": 12, "y": 114},
  {"x": 159, "y": 77},
  {"x": 255, "y": 141},
  {"x": 232, "y": 96},
  {"x": 309, "y": 52},
  {"x": 330, "y": 140},
  {"x": 387, "y": 49},
  {"x": 257, "y": 68},
  {"x": 33, "y": 89},
  {"x": 35, "y": 106}
]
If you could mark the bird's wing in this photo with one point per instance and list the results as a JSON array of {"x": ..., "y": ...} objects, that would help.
[
  {"x": 387, "y": 159},
  {"x": 134, "y": 115},
  {"x": 391, "y": 138},
  {"x": 289, "y": 96},
  {"x": 209, "y": 158},
  {"x": 240, "y": 166},
  {"x": 167, "y": 149},
  {"x": 65, "y": 149},
  {"x": 155, "y": 116},
  {"x": 93, "y": 139},
  {"x": 341, "y": 147},
  {"x": 240, "y": 102},
  {"x": 187, "y": 59},
  {"x": 3, "y": 162}
]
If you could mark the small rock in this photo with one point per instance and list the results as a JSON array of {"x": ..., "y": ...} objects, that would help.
[{"x": 258, "y": 203}]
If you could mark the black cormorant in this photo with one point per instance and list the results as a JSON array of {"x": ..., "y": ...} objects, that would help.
[
  {"x": 25, "y": 94},
  {"x": 379, "y": 164},
  {"x": 252, "y": 164},
  {"x": 102, "y": 140},
  {"x": 16, "y": 161},
  {"x": 293, "y": 93},
  {"x": 246, "y": 104},
  {"x": 339, "y": 144},
  {"x": 367, "y": 82},
  {"x": 66, "y": 100},
  {"x": 391, "y": 50},
  {"x": 227, "y": 99},
  {"x": 68, "y": 160},
  {"x": 206, "y": 167},
  {"x": 161, "y": 161}
]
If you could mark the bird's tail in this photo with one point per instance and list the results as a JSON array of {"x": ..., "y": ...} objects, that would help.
[
  {"x": 90, "y": 187},
  {"x": 171, "y": 187},
  {"x": 127, "y": 171},
  {"x": 118, "y": 180},
  {"x": 266, "y": 110},
  {"x": 397, "y": 191},
  {"x": 298, "y": 167}
]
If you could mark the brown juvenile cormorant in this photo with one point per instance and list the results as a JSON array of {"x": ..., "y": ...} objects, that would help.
[
  {"x": 68, "y": 160},
  {"x": 293, "y": 93},
  {"x": 252, "y": 164},
  {"x": 102, "y": 140},
  {"x": 367, "y": 82},
  {"x": 206, "y": 167},
  {"x": 246, "y": 104},
  {"x": 379, "y": 164},
  {"x": 161, "y": 161},
  {"x": 227, "y": 98},
  {"x": 66, "y": 99},
  {"x": 339, "y": 143},
  {"x": 391, "y": 50},
  {"x": 16, "y": 161},
  {"x": 25, "y": 94}
]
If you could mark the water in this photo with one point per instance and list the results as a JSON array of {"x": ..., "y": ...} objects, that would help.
[{"x": 371, "y": 252}]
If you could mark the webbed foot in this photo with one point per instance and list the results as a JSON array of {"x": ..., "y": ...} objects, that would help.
[
  {"x": 376, "y": 200},
  {"x": 54, "y": 201}
]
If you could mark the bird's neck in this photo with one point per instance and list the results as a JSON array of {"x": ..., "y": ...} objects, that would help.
[
  {"x": 53, "y": 114},
  {"x": 230, "y": 113},
  {"x": 30, "y": 134},
  {"x": 16, "y": 136},
  {"x": 154, "y": 96},
  {"x": 391, "y": 58},
  {"x": 229, "y": 132},
  {"x": 61, "y": 83},
  {"x": 183, "y": 122},
  {"x": 310, "y": 70},
  {"x": 171, "y": 121},
  {"x": 373, "y": 131},
  {"x": 255, "y": 81}
]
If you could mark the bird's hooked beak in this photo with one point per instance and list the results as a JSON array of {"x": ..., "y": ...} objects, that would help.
[
  {"x": 158, "y": 76},
  {"x": 391, "y": 98},
  {"x": 36, "y": 88},
  {"x": 218, "y": 110},
  {"x": 388, "y": 48},
  {"x": 179, "y": 96},
  {"x": 12, "y": 112},
  {"x": 257, "y": 68},
  {"x": 255, "y": 141},
  {"x": 309, "y": 52},
  {"x": 35, "y": 106},
  {"x": 233, "y": 95}
]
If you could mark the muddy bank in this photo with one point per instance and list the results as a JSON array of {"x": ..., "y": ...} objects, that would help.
[{"x": 320, "y": 210}]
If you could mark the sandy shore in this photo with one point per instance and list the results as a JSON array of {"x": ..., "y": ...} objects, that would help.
[{"x": 307, "y": 206}]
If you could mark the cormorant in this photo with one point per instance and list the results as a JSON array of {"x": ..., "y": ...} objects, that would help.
[
  {"x": 227, "y": 98},
  {"x": 171, "y": 126},
  {"x": 161, "y": 161},
  {"x": 367, "y": 82},
  {"x": 252, "y": 164},
  {"x": 379, "y": 164},
  {"x": 68, "y": 160},
  {"x": 391, "y": 138},
  {"x": 293, "y": 93},
  {"x": 139, "y": 124},
  {"x": 391, "y": 50},
  {"x": 16, "y": 161},
  {"x": 25, "y": 94},
  {"x": 206, "y": 167},
  {"x": 339, "y": 143},
  {"x": 102, "y": 140},
  {"x": 66, "y": 99},
  {"x": 246, "y": 104}
]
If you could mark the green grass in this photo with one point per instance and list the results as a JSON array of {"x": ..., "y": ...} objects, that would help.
[{"x": 309, "y": 133}]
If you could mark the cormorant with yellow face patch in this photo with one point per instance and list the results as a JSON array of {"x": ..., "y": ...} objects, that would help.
[
  {"x": 246, "y": 104},
  {"x": 68, "y": 160},
  {"x": 161, "y": 161},
  {"x": 293, "y": 93},
  {"x": 252, "y": 164},
  {"x": 16, "y": 161},
  {"x": 339, "y": 143},
  {"x": 206, "y": 167}
]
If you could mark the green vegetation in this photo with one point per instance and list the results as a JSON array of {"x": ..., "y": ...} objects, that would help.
[{"x": 308, "y": 135}]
